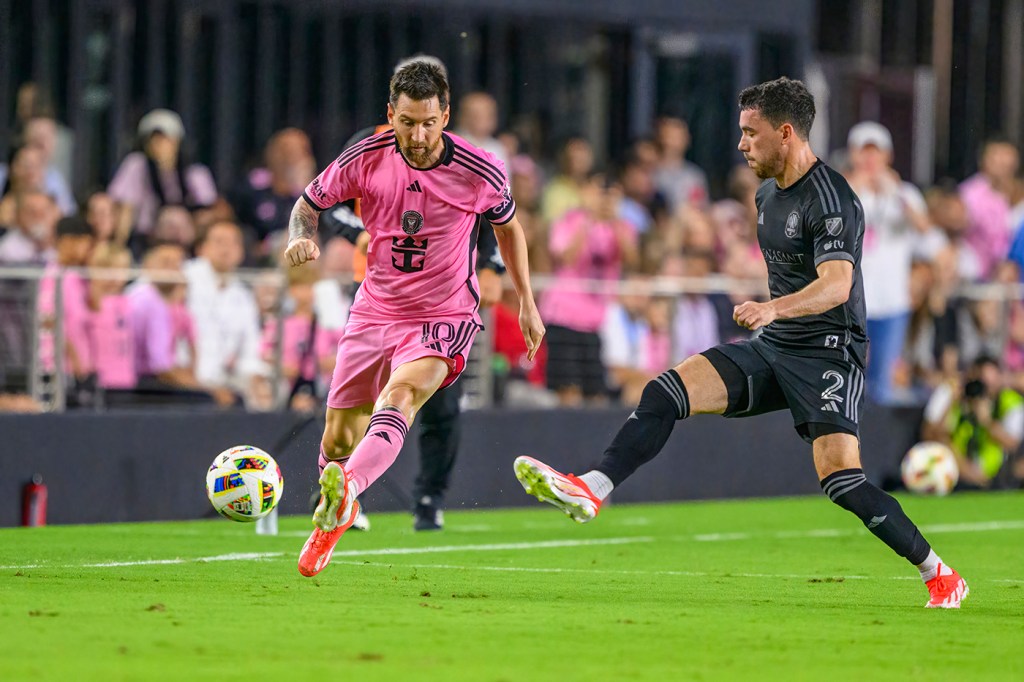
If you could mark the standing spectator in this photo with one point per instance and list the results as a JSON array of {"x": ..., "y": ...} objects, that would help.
[
  {"x": 27, "y": 174},
  {"x": 987, "y": 196},
  {"x": 894, "y": 212},
  {"x": 562, "y": 194},
  {"x": 587, "y": 245},
  {"x": 31, "y": 237},
  {"x": 681, "y": 182},
  {"x": 477, "y": 121},
  {"x": 265, "y": 198},
  {"x": 625, "y": 340},
  {"x": 225, "y": 313},
  {"x": 982, "y": 421},
  {"x": 41, "y": 133},
  {"x": 158, "y": 175},
  {"x": 74, "y": 248}
]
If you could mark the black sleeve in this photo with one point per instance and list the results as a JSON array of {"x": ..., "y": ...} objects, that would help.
[
  {"x": 487, "y": 254},
  {"x": 837, "y": 222},
  {"x": 341, "y": 221}
]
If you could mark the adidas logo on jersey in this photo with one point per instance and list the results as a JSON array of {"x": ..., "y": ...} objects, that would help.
[{"x": 414, "y": 187}]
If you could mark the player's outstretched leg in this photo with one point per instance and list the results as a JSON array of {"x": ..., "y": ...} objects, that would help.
[
  {"x": 664, "y": 401},
  {"x": 333, "y": 516},
  {"x": 849, "y": 488}
]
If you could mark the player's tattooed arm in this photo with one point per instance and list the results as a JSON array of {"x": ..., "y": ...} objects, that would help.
[
  {"x": 302, "y": 224},
  {"x": 301, "y": 229}
]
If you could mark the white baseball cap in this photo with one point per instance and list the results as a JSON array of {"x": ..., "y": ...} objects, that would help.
[
  {"x": 162, "y": 121},
  {"x": 869, "y": 133}
]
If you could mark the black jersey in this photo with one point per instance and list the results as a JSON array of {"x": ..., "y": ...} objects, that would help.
[{"x": 816, "y": 219}]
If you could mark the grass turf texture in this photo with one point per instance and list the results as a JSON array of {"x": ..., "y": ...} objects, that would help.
[{"x": 769, "y": 589}]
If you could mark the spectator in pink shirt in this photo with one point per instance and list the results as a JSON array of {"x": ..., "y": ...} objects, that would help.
[
  {"x": 108, "y": 325},
  {"x": 158, "y": 176},
  {"x": 587, "y": 245},
  {"x": 74, "y": 245},
  {"x": 987, "y": 196}
]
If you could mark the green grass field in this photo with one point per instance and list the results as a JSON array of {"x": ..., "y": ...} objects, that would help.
[{"x": 788, "y": 589}]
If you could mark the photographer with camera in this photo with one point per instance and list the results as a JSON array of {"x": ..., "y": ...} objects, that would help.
[{"x": 982, "y": 422}]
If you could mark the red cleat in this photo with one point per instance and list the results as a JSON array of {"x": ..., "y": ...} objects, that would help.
[
  {"x": 334, "y": 515},
  {"x": 565, "y": 491},
  {"x": 946, "y": 590}
]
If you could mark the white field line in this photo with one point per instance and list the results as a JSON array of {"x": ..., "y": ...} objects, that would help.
[
  {"x": 238, "y": 556},
  {"x": 935, "y": 529}
]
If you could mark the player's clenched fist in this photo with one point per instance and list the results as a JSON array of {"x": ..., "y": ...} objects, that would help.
[
  {"x": 753, "y": 315},
  {"x": 300, "y": 251}
]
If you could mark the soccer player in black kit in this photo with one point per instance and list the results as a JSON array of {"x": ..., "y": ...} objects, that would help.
[{"x": 808, "y": 359}]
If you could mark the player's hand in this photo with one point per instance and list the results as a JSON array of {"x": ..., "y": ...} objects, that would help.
[
  {"x": 490, "y": 287},
  {"x": 531, "y": 326},
  {"x": 753, "y": 315},
  {"x": 300, "y": 251}
]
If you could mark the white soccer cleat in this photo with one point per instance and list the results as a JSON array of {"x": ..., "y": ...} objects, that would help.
[{"x": 565, "y": 491}]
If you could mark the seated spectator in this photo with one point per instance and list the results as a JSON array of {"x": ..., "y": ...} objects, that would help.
[
  {"x": 160, "y": 325},
  {"x": 681, "y": 182},
  {"x": 74, "y": 248},
  {"x": 101, "y": 213},
  {"x": 174, "y": 225},
  {"x": 982, "y": 421},
  {"x": 225, "y": 313},
  {"x": 265, "y": 198},
  {"x": 305, "y": 346},
  {"x": 27, "y": 174},
  {"x": 625, "y": 340},
  {"x": 109, "y": 327},
  {"x": 587, "y": 246},
  {"x": 41, "y": 133},
  {"x": 518, "y": 381},
  {"x": 158, "y": 175},
  {"x": 563, "y": 193},
  {"x": 695, "y": 324},
  {"x": 30, "y": 240}
]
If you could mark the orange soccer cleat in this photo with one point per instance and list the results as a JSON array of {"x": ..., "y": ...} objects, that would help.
[
  {"x": 334, "y": 515},
  {"x": 946, "y": 590},
  {"x": 565, "y": 491}
]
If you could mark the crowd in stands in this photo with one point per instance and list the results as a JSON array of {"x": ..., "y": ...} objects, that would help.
[{"x": 610, "y": 243}]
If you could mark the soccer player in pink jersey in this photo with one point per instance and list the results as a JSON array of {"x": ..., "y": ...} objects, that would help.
[{"x": 415, "y": 316}]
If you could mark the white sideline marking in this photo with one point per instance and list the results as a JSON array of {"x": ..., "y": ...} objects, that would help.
[
  {"x": 547, "y": 544},
  {"x": 238, "y": 556},
  {"x": 974, "y": 527}
]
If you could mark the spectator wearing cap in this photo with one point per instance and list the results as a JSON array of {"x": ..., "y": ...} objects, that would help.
[
  {"x": 987, "y": 197},
  {"x": 894, "y": 211},
  {"x": 158, "y": 175}
]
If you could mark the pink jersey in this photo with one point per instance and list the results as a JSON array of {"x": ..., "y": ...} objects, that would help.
[
  {"x": 422, "y": 224},
  {"x": 73, "y": 292},
  {"x": 294, "y": 344},
  {"x": 110, "y": 329}
]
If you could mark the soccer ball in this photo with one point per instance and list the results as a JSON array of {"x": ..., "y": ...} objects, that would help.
[
  {"x": 930, "y": 469},
  {"x": 244, "y": 483}
]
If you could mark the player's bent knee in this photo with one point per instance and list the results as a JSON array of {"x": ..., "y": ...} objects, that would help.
[
  {"x": 403, "y": 396},
  {"x": 665, "y": 396},
  {"x": 706, "y": 387}
]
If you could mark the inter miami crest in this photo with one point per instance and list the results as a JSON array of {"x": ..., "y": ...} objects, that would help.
[
  {"x": 793, "y": 225},
  {"x": 412, "y": 222}
]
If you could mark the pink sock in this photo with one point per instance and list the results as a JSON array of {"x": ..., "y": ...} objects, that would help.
[
  {"x": 379, "y": 448},
  {"x": 323, "y": 461}
]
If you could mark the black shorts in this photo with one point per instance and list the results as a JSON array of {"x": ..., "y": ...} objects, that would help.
[
  {"x": 574, "y": 359},
  {"x": 824, "y": 394}
]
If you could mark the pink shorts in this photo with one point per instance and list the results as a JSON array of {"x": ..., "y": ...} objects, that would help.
[{"x": 369, "y": 352}]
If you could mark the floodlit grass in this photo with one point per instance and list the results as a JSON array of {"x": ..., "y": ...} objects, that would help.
[{"x": 791, "y": 589}]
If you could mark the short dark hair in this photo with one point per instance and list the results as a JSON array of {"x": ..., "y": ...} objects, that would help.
[
  {"x": 782, "y": 101},
  {"x": 420, "y": 80}
]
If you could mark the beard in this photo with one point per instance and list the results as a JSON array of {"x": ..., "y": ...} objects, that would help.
[
  {"x": 770, "y": 167},
  {"x": 421, "y": 155}
]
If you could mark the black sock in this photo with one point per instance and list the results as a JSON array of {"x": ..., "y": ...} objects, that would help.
[
  {"x": 644, "y": 434},
  {"x": 879, "y": 511}
]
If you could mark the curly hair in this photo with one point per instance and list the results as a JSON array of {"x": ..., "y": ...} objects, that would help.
[
  {"x": 420, "y": 80},
  {"x": 782, "y": 101}
]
